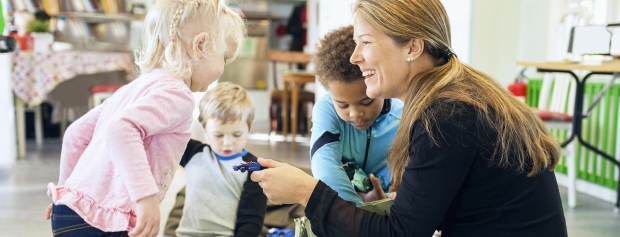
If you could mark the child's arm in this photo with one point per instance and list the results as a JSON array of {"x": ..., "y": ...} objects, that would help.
[
  {"x": 326, "y": 151},
  {"x": 76, "y": 139},
  {"x": 252, "y": 207},
  {"x": 164, "y": 112}
]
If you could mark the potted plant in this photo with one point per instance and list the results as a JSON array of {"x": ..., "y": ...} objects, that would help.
[{"x": 40, "y": 32}]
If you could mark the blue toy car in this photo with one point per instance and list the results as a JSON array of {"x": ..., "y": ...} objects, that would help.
[
  {"x": 248, "y": 166},
  {"x": 274, "y": 232}
]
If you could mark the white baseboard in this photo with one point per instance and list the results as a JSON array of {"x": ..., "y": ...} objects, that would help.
[{"x": 594, "y": 190}]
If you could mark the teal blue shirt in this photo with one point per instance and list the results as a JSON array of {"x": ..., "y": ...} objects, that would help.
[{"x": 334, "y": 142}]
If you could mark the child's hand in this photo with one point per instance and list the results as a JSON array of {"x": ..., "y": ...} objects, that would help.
[
  {"x": 147, "y": 213},
  {"x": 376, "y": 193},
  {"x": 48, "y": 212}
]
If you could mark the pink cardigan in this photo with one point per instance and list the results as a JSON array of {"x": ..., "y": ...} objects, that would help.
[{"x": 126, "y": 149}]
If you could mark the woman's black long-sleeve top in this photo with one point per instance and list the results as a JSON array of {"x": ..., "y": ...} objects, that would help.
[{"x": 454, "y": 183}]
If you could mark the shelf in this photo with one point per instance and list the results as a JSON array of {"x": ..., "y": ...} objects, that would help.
[
  {"x": 68, "y": 40},
  {"x": 97, "y": 16},
  {"x": 94, "y": 45},
  {"x": 603, "y": 67},
  {"x": 88, "y": 40}
]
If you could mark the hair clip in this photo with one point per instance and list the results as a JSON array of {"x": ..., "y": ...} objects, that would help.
[
  {"x": 449, "y": 52},
  {"x": 173, "y": 39}
]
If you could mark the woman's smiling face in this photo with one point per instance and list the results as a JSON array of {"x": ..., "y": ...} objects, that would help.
[{"x": 383, "y": 62}]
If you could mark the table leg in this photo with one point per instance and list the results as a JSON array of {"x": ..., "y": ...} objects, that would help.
[
  {"x": 38, "y": 126},
  {"x": 294, "y": 105},
  {"x": 572, "y": 174},
  {"x": 63, "y": 120},
  {"x": 577, "y": 126},
  {"x": 21, "y": 127},
  {"x": 285, "y": 110},
  {"x": 576, "y": 131}
]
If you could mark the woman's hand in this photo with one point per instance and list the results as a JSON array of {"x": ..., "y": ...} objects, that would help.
[
  {"x": 283, "y": 183},
  {"x": 393, "y": 195},
  {"x": 376, "y": 193},
  {"x": 147, "y": 214}
]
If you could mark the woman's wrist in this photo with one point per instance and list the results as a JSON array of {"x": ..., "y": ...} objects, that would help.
[{"x": 307, "y": 190}]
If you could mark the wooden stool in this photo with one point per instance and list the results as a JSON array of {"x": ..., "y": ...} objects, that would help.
[
  {"x": 100, "y": 93},
  {"x": 293, "y": 78},
  {"x": 292, "y": 59}
]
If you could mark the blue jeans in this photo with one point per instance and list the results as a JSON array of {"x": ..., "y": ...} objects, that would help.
[{"x": 67, "y": 223}]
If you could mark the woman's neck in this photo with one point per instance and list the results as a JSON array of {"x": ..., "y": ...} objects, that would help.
[{"x": 422, "y": 64}]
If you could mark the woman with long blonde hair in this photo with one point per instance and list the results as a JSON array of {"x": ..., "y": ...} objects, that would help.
[{"x": 468, "y": 158}]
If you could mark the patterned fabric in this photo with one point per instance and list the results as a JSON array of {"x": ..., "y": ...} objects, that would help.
[{"x": 35, "y": 74}]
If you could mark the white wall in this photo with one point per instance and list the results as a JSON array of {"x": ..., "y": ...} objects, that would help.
[
  {"x": 8, "y": 145},
  {"x": 495, "y": 38},
  {"x": 324, "y": 16},
  {"x": 507, "y": 31},
  {"x": 533, "y": 30},
  {"x": 459, "y": 13}
]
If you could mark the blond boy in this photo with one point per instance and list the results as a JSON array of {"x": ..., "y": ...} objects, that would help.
[{"x": 218, "y": 200}]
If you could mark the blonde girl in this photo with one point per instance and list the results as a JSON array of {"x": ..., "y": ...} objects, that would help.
[{"x": 118, "y": 160}]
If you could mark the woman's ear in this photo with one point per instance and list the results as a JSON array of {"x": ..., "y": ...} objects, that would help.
[
  {"x": 198, "y": 43},
  {"x": 416, "y": 48}
]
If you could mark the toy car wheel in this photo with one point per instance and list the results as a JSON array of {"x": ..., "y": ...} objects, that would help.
[{"x": 242, "y": 169}]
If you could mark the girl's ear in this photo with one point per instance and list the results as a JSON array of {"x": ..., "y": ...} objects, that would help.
[
  {"x": 416, "y": 48},
  {"x": 198, "y": 43}
]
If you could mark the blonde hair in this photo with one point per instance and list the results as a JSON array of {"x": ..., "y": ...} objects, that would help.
[
  {"x": 522, "y": 139},
  {"x": 226, "y": 102},
  {"x": 170, "y": 26}
]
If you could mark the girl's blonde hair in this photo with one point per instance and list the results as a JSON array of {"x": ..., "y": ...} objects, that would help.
[
  {"x": 227, "y": 102},
  {"x": 522, "y": 142},
  {"x": 170, "y": 26}
]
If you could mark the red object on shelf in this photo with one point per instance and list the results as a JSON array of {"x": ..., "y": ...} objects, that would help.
[
  {"x": 25, "y": 42},
  {"x": 518, "y": 89},
  {"x": 104, "y": 88}
]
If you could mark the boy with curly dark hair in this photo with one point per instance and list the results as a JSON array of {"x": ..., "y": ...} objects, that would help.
[{"x": 351, "y": 132}]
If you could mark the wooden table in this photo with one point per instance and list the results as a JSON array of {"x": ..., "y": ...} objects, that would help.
[
  {"x": 602, "y": 69},
  {"x": 295, "y": 79}
]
